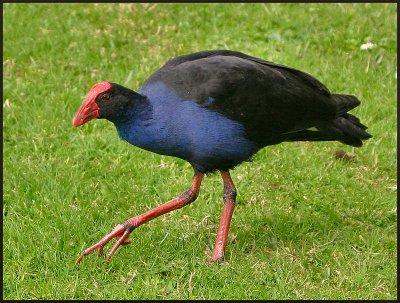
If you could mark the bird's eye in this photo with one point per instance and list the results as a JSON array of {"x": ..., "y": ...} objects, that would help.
[{"x": 105, "y": 97}]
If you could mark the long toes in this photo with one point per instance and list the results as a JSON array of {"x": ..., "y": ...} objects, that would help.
[
  {"x": 116, "y": 245},
  {"x": 79, "y": 259},
  {"x": 116, "y": 232}
]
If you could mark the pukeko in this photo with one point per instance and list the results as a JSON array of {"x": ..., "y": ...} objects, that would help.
[{"x": 216, "y": 109}]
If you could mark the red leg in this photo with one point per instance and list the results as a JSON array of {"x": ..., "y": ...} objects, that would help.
[
  {"x": 123, "y": 230},
  {"x": 227, "y": 211}
]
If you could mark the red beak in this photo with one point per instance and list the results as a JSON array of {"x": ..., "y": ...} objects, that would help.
[
  {"x": 86, "y": 112},
  {"x": 89, "y": 108}
]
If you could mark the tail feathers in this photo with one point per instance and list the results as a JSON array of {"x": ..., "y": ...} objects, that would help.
[
  {"x": 345, "y": 128},
  {"x": 344, "y": 103},
  {"x": 353, "y": 119}
]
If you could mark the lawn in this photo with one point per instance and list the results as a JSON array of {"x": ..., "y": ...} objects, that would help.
[{"x": 306, "y": 225}]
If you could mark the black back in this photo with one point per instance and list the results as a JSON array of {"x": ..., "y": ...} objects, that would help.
[{"x": 268, "y": 99}]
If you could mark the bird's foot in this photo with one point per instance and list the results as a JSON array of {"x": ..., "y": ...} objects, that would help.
[
  {"x": 218, "y": 255},
  {"x": 217, "y": 259},
  {"x": 121, "y": 232}
]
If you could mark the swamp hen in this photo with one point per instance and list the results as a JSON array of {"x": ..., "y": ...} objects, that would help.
[{"x": 216, "y": 109}]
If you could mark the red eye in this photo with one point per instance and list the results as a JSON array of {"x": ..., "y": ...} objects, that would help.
[{"x": 105, "y": 97}]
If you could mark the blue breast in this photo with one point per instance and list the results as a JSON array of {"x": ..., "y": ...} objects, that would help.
[{"x": 182, "y": 128}]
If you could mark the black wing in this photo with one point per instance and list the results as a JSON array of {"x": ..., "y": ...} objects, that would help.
[{"x": 270, "y": 100}]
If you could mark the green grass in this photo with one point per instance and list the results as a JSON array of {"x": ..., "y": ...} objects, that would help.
[{"x": 306, "y": 226}]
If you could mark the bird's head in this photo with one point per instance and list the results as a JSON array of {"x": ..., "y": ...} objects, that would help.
[{"x": 105, "y": 100}]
